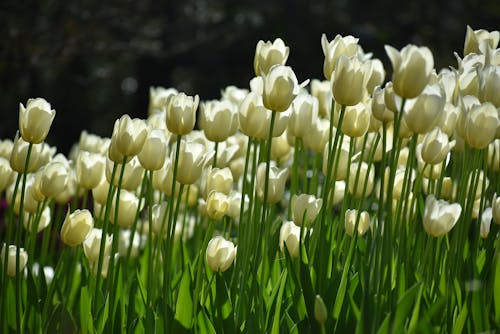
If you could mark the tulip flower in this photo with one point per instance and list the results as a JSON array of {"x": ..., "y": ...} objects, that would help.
[
  {"x": 127, "y": 208},
  {"x": 489, "y": 84},
  {"x": 154, "y": 150},
  {"x": 480, "y": 125},
  {"x": 6, "y": 174},
  {"x": 365, "y": 177},
  {"x": 9, "y": 254},
  {"x": 276, "y": 185},
  {"x": 322, "y": 91},
  {"x": 213, "y": 115},
  {"x": 423, "y": 113},
  {"x": 19, "y": 154},
  {"x": 317, "y": 137},
  {"x": 35, "y": 120},
  {"x": 130, "y": 135},
  {"x": 305, "y": 208},
  {"x": 356, "y": 120},
  {"x": 181, "y": 113},
  {"x": 44, "y": 221},
  {"x": 347, "y": 46},
  {"x": 362, "y": 218},
  {"x": 217, "y": 205},
  {"x": 220, "y": 254},
  {"x": 304, "y": 114},
  {"x": 440, "y": 216},
  {"x": 477, "y": 40},
  {"x": 349, "y": 81},
  {"x": 89, "y": 169},
  {"x": 76, "y": 227},
  {"x": 436, "y": 146},
  {"x": 268, "y": 54},
  {"x": 191, "y": 159},
  {"x": 280, "y": 88},
  {"x": 220, "y": 180},
  {"x": 54, "y": 179},
  {"x": 159, "y": 97},
  {"x": 290, "y": 236},
  {"x": 92, "y": 245}
]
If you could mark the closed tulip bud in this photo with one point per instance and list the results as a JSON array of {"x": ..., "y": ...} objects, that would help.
[
  {"x": 220, "y": 180},
  {"x": 429, "y": 171},
  {"x": 486, "y": 218},
  {"x": 181, "y": 113},
  {"x": 392, "y": 101},
  {"x": 376, "y": 74},
  {"x": 320, "y": 312},
  {"x": 92, "y": 245},
  {"x": 35, "y": 120},
  {"x": 281, "y": 151},
  {"x": 44, "y": 221},
  {"x": 440, "y": 216},
  {"x": 237, "y": 167},
  {"x": 448, "y": 188},
  {"x": 162, "y": 178},
  {"x": 220, "y": 254},
  {"x": 255, "y": 119},
  {"x": 234, "y": 208},
  {"x": 160, "y": 214},
  {"x": 347, "y": 46},
  {"x": 54, "y": 179},
  {"x": 9, "y": 255},
  {"x": 304, "y": 114},
  {"x": 290, "y": 236},
  {"x": 436, "y": 146},
  {"x": 378, "y": 107},
  {"x": 448, "y": 119},
  {"x": 322, "y": 91},
  {"x": 338, "y": 193},
  {"x": 30, "y": 203},
  {"x": 90, "y": 169},
  {"x": 412, "y": 68},
  {"x": 280, "y": 88},
  {"x": 480, "y": 125},
  {"x": 76, "y": 227},
  {"x": 356, "y": 120},
  {"x": 71, "y": 189},
  {"x": 213, "y": 115},
  {"x": 489, "y": 85},
  {"x": 154, "y": 151},
  {"x": 349, "y": 81},
  {"x": 130, "y": 135},
  {"x": 6, "y": 174},
  {"x": 93, "y": 143},
  {"x": 100, "y": 192},
  {"x": 159, "y": 98},
  {"x": 366, "y": 176},
  {"x": 276, "y": 184},
  {"x": 342, "y": 163},
  {"x": 217, "y": 205},
  {"x": 132, "y": 174},
  {"x": 19, "y": 154},
  {"x": 305, "y": 208},
  {"x": 6, "y": 148},
  {"x": 127, "y": 209},
  {"x": 191, "y": 159},
  {"x": 268, "y": 54},
  {"x": 493, "y": 155},
  {"x": 353, "y": 216},
  {"x": 317, "y": 137},
  {"x": 475, "y": 40},
  {"x": 423, "y": 113}
]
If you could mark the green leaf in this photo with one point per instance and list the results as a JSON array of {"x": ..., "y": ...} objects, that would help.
[
  {"x": 339, "y": 300},
  {"x": 184, "y": 305},
  {"x": 405, "y": 305},
  {"x": 460, "y": 322},
  {"x": 204, "y": 324},
  {"x": 102, "y": 316},
  {"x": 86, "y": 323},
  {"x": 277, "y": 311},
  {"x": 496, "y": 292}
]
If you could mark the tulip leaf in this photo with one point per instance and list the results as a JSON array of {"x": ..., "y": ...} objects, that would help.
[
  {"x": 405, "y": 305},
  {"x": 184, "y": 306},
  {"x": 459, "y": 324},
  {"x": 277, "y": 310},
  {"x": 496, "y": 292},
  {"x": 204, "y": 323},
  {"x": 86, "y": 321}
]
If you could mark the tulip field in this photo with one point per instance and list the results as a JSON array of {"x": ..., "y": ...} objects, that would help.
[{"x": 355, "y": 203}]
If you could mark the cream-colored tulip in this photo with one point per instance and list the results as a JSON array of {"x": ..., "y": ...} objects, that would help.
[
  {"x": 349, "y": 81},
  {"x": 154, "y": 150},
  {"x": 440, "y": 216},
  {"x": 356, "y": 120},
  {"x": 489, "y": 84},
  {"x": 378, "y": 107},
  {"x": 362, "y": 218},
  {"x": 76, "y": 227},
  {"x": 220, "y": 254},
  {"x": 93, "y": 143},
  {"x": 100, "y": 192},
  {"x": 477, "y": 40},
  {"x": 268, "y": 54},
  {"x": 493, "y": 155},
  {"x": 181, "y": 113},
  {"x": 347, "y": 46},
  {"x": 30, "y": 203},
  {"x": 9, "y": 255},
  {"x": 304, "y": 114},
  {"x": 159, "y": 98},
  {"x": 234, "y": 94},
  {"x": 486, "y": 218},
  {"x": 6, "y": 148},
  {"x": 480, "y": 125},
  {"x": 191, "y": 159},
  {"x": 281, "y": 151},
  {"x": 412, "y": 68},
  {"x": 366, "y": 178},
  {"x": 305, "y": 208},
  {"x": 448, "y": 119},
  {"x": 317, "y": 137},
  {"x": 90, "y": 169},
  {"x": 424, "y": 112},
  {"x": 376, "y": 74},
  {"x": 132, "y": 174},
  {"x": 54, "y": 179},
  {"x": 35, "y": 120},
  {"x": 127, "y": 209},
  {"x": 92, "y": 245},
  {"x": 29, "y": 223},
  {"x": 495, "y": 207},
  {"x": 323, "y": 92},
  {"x": 220, "y": 180},
  {"x": 19, "y": 154},
  {"x": 276, "y": 184},
  {"x": 218, "y": 120},
  {"x": 6, "y": 174},
  {"x": 162, "y": 178},
  {"x": 429, "y": 171},
  {"x": 234, "y": 208},
  {"x": 217, "y": 205},
  {"x": 436, "y": 146},
  {"x": 340, "y": 159},
  {"x": 130, "y": 135},
  {"x": 280, "y": 88},
  {"x": 290, "y": 236}
]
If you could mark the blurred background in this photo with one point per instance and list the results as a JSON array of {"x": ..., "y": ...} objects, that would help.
[{"x": 95, "y": 60}]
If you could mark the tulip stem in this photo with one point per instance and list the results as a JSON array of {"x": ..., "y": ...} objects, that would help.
[{"x": 216, "y": 148}]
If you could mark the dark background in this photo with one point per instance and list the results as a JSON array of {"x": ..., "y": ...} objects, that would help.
[{"x": 95, "y": 60}]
